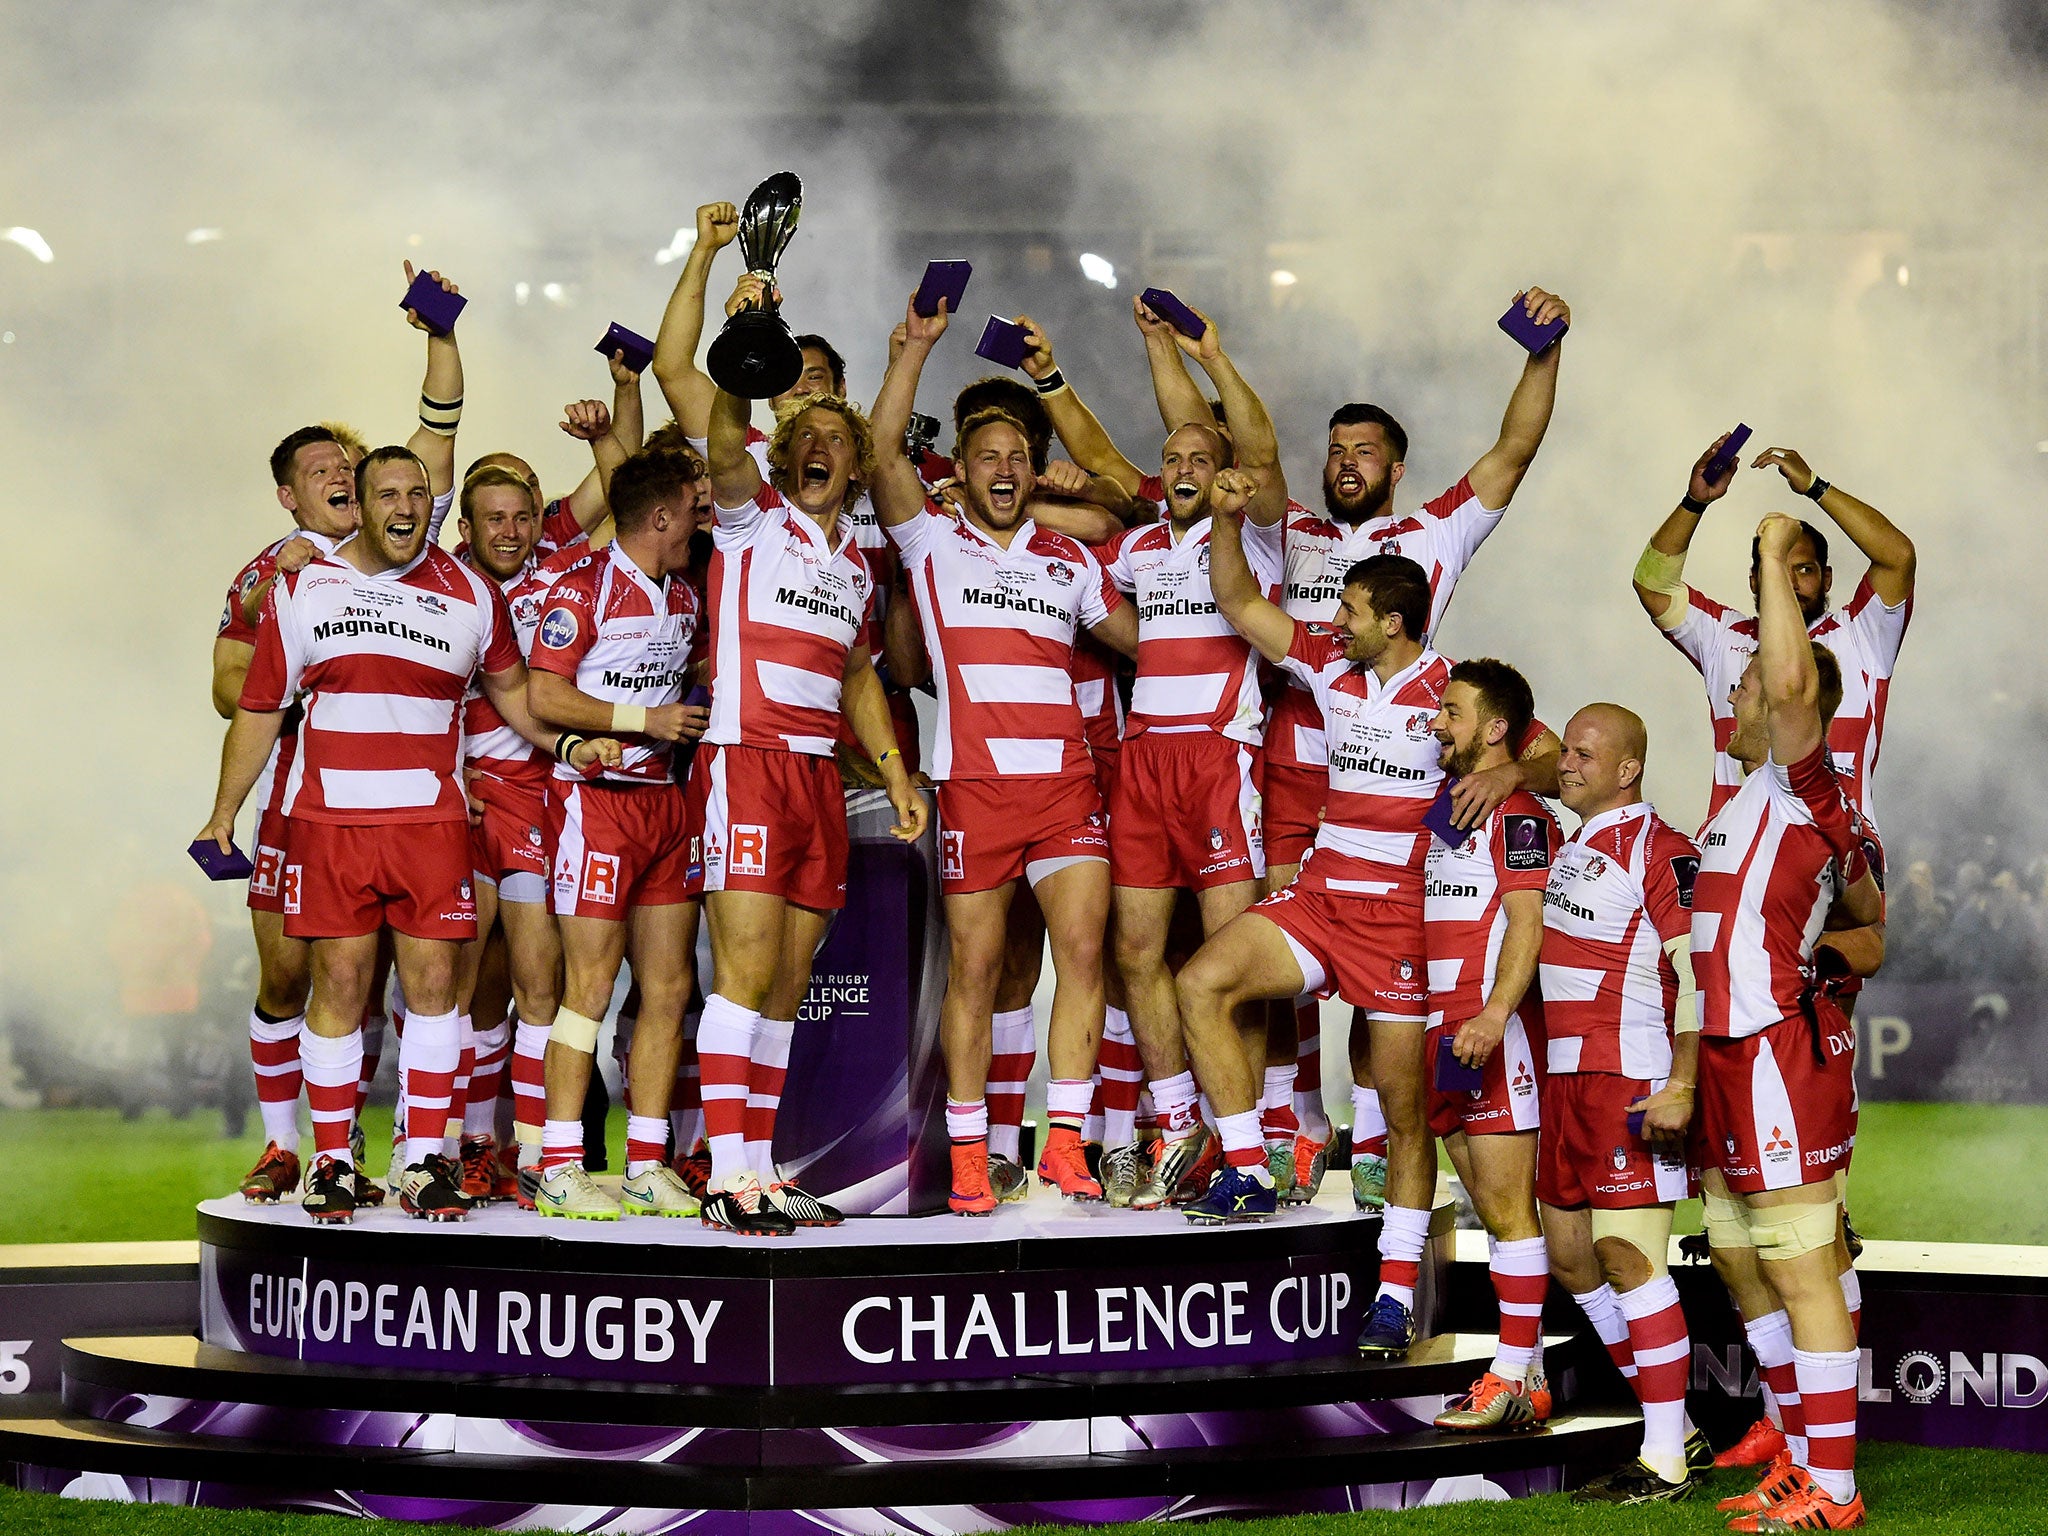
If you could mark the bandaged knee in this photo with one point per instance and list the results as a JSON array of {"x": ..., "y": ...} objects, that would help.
[
  {"x": 1727, "y": 1222},
  {"x": 1646, "y": 1229},
  {"x": 1659, "y": 572},
  {"x": 1786, "y": 1231},
  {"x": 576, "y": 1030}
]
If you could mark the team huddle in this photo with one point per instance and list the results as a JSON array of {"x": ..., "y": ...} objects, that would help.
[{"x": 1192, "y": 740}]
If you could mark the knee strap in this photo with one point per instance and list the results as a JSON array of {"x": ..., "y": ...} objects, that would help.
[
  {"x": 1647, "y": 1229},
  {"x": 1787, "y": 1231},
  {"x": 575, "y": 1030},
  {"x": 1727, "y": 1223}
]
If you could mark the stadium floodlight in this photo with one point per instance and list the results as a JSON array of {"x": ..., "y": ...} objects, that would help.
[
  {"x": 203, "y": 236},
  {"x": 1282, "y": 278},
  {"x": 32, "y": 242},
  {"x": 1097, "y": 269}
]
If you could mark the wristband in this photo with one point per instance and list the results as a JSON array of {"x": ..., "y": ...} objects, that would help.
[
  {"x": 630, "y": 718},
  {"x": 1818, "y": 489},
  {"x": 1692, "y": 504},
  {"x": 1052, "y": 383},
  {"x": 887, "y": 753},
  {"x": 566, "y": 743},
  {"x": 440, "y": 416}
]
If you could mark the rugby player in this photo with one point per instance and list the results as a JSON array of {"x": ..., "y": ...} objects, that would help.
[
  {"x": 1777, "y": 1092},
  {"x": 610, "y": 649},
  {"x": 378, "y": 641},
  {"x": 1865, "y": 636},
  {"x": 1351, "y": 922},
  {"x": 1184, "y": 813},
  {"x": 1482, "y": 928},
  {"x": 313, "y": 469},
  {"x": 1002, "y": 600},
  {"x": 1622, "y": 1038},
  {"x": 791, "y": 601}
]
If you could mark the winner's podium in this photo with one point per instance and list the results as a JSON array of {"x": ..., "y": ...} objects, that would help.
[{"x": 862, "y": 1124}]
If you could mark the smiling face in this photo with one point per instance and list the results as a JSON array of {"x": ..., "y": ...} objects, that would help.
[
  {"x": 1600, "y": 763},
  {"x": 1463, "y": 729},
  {"x": 995, "y": 470},
  {"x": 1187, "y": 469},
  {"x": 321, "y": 494},
  {"x": 1359, "y": 473},
  {"x": 1366, "y": 634},
  {"x": 396, "y": 505},
  {"x": 501, "y": 529}
]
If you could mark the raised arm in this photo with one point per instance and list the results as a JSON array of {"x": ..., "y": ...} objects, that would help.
[
  {"x": 735, "y": 477},
  {"x": 589, "y": 422},
  {"x": 1660, "y": 573},
  {"x": 1076, "y": 425},
  {"x": 898, "y": 492},
  {"x": 1499, "y": 470},
  {"x": 1890, "y": 553},
  {"x": 440, "y": 399},
  {"x": 1791, "y": 681},
  {"x": 1231, "y": 580},
  {"x": 1076, "y": 514},
  {"x": 1257, "y": 445},
  {"x": 1173, "y": 387},
  {"x": 686, "y": 386}
]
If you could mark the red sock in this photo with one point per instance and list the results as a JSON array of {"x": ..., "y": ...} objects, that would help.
[
  {"x": 529, "y": 1087},
  {"x": 372, "y": 1036},
  {"x": 274, "y": 1054},
  {"x": 1121, "y": 1080},
  {"x": 1521, "y": 1279},
  {"x": 1827, "y": 1392},
  {"x": 1663, "y": 1353},
  {"x": 331, "y": 1067}
]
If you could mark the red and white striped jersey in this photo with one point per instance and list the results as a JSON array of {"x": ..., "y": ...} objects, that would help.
[
  {"x": 1093, "y": 670},
  {"x": 621, "y": 637},
  {"x": 1315, "y": 551},
  {"x": 489, "y": 745},
  {"x": 786, "y": 608},
  {"x": 1383, "y": 766},
  {"x": 1000, "y": 626},
  {"x": 234, "y": 625},
  {"x": 1865, "y": 637},
  {"x": 1767, "y": 880},
  {"x": 1195, "y": 673},
  {"x": 1620, "y": 888},
  {"x": 1463, "y": 918},
  {"x": 381, "y": 663}
]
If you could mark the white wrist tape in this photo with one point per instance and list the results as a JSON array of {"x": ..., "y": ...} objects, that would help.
[
  {"x": 630, "y": 719},
  {"x": 1685, "y": 1008},
  {"x": 1659, "y": 572}
]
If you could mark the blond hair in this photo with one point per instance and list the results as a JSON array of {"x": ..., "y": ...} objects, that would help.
[{"x": 785, "y": 433}]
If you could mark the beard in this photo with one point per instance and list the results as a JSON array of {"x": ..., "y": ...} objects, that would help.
[
  {"x": 1373, "y": 501},
  {"x": 1463, "y": 759}
]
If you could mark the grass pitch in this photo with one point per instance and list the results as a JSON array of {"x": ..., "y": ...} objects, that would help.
[
  {"x": 1923, "y": 1172},
  {"x": 1910, "y": 1492}
]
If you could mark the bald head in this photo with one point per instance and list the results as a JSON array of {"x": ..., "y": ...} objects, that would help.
[
  {"x": 1601, "y": 766},
  {"x": 1188, "y": 466}
]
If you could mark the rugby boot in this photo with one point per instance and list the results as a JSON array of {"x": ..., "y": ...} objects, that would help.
[
  {"x": 1169, "y": 1162},
  {"x": 1194, "y": 1184},
  {"x": 737, "y": 1206},
  {"x": 1007, "y": 1179},
  {"x": 330, "y": 1192},
  {"x": 803, "y": 1208},
  {"x": 1236, "y": 1194},
  {"x": 432, "y": 1190},
  {"x": 1636, "y": 1483},
  {"x": 275, "y": 1175},
  {"x": 1812, "y": 1510},
  {"x": 972, "y": 1166},
  {"x": 368, "y": 1191},
  {"x": 478, "y": 1162},
  {"x": 1762, "y": 1443},
  {"x": 1780, "y": 1481},
  {"x": 1280, "y": 1166},
  {"x": 656, "y": 1191},
  {"x": 1699, "y": 1451},
  {"x": 1065, "y": 1167},
  {"x": 1311, "y": 1162},
  {"x": 1389, "y": 1330},
  {"x": 1494, "y": 1405},
  {"x": 1368, "y": 1181},
  {"x": 505, "y": 1176},
  {"x": 695, "y": 1168},
  {"x": 1120, "y": 1174},
  {"x": 569, "y": 1192}
]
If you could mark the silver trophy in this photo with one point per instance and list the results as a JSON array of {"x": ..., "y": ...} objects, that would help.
[{"x": 755, "y": 356}]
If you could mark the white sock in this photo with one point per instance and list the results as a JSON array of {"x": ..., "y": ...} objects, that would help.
[
  {"x": 432, "y": 1045},
  {"x": 727, "y": 1030},
  {"x": 1603, "y": 1311},
  {"x": 1368, "y": 1123},
  {"x": 644, "y": 1128},
  {"x": 480, "y": 1115},
  {"x": 1173, "y": 1102},
  {"x": 333, "y": 1064},
  {"x": 771, "y": 1050},
  {"x": 281, "y": 1119},
  {"x": 1403, "y": 1231},
  {"x": 1523, "y": 1256},
  {"x": 966, "y": 1122}
]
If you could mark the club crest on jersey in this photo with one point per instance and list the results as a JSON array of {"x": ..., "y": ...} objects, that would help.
[
  {"x": 1405, "y": 969},
  {"x": 533, "y": 836},
  {"x": 1596, "y": 866},
  {"x": 1216, "y": 839},
  {"x": 1060, "y": 572},
  {"x": 1621, "y": 1159},
  {"x": 559, "y": 630},
  {"x": 1421, "y": 721}
]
